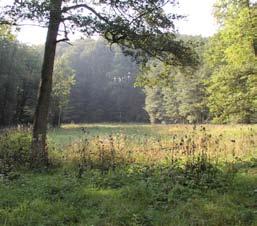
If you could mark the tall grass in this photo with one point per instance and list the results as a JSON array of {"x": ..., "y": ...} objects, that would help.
[
  {"x": 160, "y": 145},
  {"x": 133, "y": 175}
]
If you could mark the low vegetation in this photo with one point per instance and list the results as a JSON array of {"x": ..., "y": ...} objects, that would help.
[
  {"x": 126, "y": 174},
  {"x": 141, "y": 70}
]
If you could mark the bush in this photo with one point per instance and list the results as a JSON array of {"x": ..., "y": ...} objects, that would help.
[{"x": 14, "y": 150}]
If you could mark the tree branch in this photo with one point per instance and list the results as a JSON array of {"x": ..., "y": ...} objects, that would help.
[
  {"x": 3, "y": 22},
  {"x": 64, "y": 40},
  {"x": 66, "y": 9}
]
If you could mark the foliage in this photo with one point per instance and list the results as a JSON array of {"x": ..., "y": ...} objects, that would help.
[
  {"x": 200, "y": 192},
  {"x": 130, "y": 24},
  {"x": 5, "y": 33},
  {"x": 232, "y": 60},
  {"x": 142, "y": 25},
  {"x": 19, "y": 78},
  {"x": 104, "y": 89},
  {"x": 63, "y": 80},
  {"x": 176, "y": 94},
  {"x": 14, "y": 150},
  {"x": 154, "y": 104}
]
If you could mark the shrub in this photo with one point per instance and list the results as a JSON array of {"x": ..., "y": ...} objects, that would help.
[{"x": 14, "y": 150}]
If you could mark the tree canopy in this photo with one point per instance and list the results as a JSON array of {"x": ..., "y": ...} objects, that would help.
[
  {"x": 132, "y": 24},
  {"x": 232, "y": 60}
]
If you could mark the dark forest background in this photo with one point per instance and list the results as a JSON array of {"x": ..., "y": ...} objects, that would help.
[{"x": 93, "y": 83}]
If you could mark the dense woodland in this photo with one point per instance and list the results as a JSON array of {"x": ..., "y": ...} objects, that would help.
[
  {"x": 92, "y": 83},
  {"x": 96, "y": 82}
]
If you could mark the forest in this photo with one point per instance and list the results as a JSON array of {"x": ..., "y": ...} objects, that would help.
[
  {"x": 96, "y": 83},
  {"x": 92, "y": 83},
  {"x": 133, "y": 124}
]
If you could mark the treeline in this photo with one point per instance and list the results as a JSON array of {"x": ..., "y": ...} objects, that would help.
[
  {"x": 104, "y": 88},
  {"x": 94, "y": 82},
  {"x": 19, "y": 79},
  {"x": 176, "y": 94},
  {"x": 223, "y": 88}
]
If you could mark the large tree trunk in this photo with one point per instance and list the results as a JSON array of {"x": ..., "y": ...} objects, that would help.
[{"x": 39, "y": 154}]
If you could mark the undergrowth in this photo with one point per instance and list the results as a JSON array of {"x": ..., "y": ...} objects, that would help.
[
  {"x": 14, "y": 150},
  {"x": 195, "y": 178}
]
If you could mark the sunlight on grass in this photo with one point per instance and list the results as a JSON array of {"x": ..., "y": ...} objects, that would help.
[{"x": 135, "y": 175}]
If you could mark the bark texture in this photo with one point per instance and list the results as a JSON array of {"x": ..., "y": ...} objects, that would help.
[{"x": 39, "y": 154}]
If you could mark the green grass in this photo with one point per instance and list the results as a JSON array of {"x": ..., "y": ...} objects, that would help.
[
  {"x": 70, "y": 132},
  {"x": 59, "y": 198},
  {"x": 138, "y": 193}
]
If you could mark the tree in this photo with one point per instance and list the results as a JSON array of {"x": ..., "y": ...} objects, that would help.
[
  {"x": 63, "y": 80},
  {"x": 5, "y": 32},
  {"x": 153, "y": 104},
  {"x": 132, "y": 23},
  {"x": 28, "y": 70},
  {"x": 104, "y": 89},
  {"x": 19, "y": 78},
  {"x": 174, "y": 93},
  {"x": 232, "y": 60}
]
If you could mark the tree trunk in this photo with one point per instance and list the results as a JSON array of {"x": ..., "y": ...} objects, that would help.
[
  {"x": 39, "y": 154},
  {"x": 5, "y": 113},
  {"x": 55, "y": 115},
  {"x": 59, "y": 117},
  {"x": 22, "y": 96}
]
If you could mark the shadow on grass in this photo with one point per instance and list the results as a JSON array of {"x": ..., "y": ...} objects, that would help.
[{"x": 134, "y": 195}]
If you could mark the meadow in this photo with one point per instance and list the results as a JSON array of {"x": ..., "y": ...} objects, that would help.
[{"x": 128, "y": 174}]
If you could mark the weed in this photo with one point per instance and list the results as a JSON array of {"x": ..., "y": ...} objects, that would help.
[
  {"x": 135, "y": 175},
  {"x": 14, "y": 150}
]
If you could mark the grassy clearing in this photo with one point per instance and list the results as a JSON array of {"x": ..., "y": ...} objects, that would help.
[
  {"x": 112, "y": 174},
  {"x": 70, "y": 132}
]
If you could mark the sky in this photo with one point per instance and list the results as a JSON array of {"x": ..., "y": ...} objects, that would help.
[{"x": 199, "y": 21}]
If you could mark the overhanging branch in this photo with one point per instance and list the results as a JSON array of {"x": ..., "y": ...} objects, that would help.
[{"x": 66, "y": 9}]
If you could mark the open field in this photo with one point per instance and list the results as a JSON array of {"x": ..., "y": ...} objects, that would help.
[
  {"x": 127, "y": 174},
  {"x": 221, "y": 141}
]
